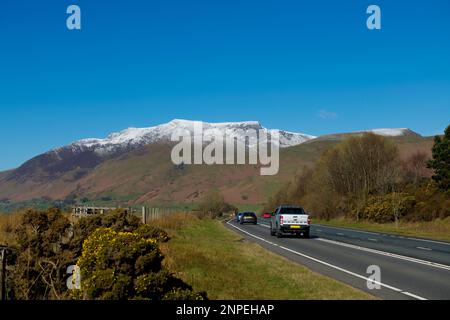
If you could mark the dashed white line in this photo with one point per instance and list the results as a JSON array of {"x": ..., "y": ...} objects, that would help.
[
  {"x": 371, "y": 239},
  {"x": 388, "y": 254},
  {"x": 431, "y": 241},
  {"x": 390, "y": 235},
  {"x": 340, "y": 234},
  {"x": 353, "y": 230},
  {"x": 423, "y": 248},
  {"x": 329, "y": 264}
]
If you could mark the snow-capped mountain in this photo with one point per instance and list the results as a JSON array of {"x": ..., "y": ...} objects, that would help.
[
  {"x": 88, "y": 153},
  {"x": 394, "y": 132},
  {"x": 122, "y": 164},
  {"x": 133, "y": 137}
]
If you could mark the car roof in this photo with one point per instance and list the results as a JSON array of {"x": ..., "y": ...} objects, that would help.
[{"x": 290, "y": 207}]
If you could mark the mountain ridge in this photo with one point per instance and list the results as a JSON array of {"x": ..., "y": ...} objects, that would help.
[{"x": 139, "y": 167}]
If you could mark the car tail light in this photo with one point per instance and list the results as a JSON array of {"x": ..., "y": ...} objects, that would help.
[
  {"x": 309, "y": 220},
  {"x": 281, "y": 219}
]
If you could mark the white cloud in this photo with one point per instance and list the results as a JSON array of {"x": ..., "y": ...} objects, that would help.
[{"x": 324, "y": 114}]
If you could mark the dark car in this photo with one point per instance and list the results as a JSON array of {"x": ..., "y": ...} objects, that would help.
[{"x": 248, "y": 217}]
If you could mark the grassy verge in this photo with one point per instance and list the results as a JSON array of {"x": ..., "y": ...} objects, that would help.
[
  {"x": 437, "y": 229},
  {"x": 211, "y": 258}
]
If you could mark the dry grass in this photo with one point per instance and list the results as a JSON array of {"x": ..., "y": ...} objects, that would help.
[
  {"x": 176, "y": 221},
  {"x": 214, "y": 259},
  {"x": 438, "y": 229},
  {"x": 8, "y": 222}
]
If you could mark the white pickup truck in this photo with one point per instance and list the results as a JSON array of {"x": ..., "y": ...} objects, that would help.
[{"x": 290, "y": 220}]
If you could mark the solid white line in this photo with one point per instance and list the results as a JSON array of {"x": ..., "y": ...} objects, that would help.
[
  {"x": 413, "y": 295},
  {"x": 388, "y": 254},
  {"x": 327, "y": 264}
]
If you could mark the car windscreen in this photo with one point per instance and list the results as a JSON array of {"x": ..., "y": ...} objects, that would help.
[{"x": 292, "y": 211}]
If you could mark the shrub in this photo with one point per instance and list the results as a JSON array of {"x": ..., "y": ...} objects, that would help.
[
  {"x": 118, "y": 220},
  {"x": 117, "y": 255},
  {"x": 431, "y": 203},
  {"x": 213, "y": 205},
  {"x": 388, "y": 208},
  {"x": 42, "y": 255},
  {"x": 127, "y": 265}
]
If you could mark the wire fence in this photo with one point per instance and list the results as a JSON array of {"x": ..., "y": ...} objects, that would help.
[{"x": 154, "y": 213}]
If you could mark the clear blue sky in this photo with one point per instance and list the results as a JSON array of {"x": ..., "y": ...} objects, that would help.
[{"x": 307, "y": 66}]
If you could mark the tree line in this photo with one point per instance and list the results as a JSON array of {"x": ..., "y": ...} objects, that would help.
[{"x": 365, "y": 178}]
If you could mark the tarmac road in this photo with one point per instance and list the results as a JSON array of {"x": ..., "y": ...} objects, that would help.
[{"x": 411, "y": 268}]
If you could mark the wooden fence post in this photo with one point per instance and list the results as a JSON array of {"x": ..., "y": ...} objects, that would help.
[{"x": 144, "y": 215}]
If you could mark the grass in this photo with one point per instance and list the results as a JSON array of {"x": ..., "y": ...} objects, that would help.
[
  {"x": 437, "y": 229},
  {"x": 249, "y": 207},
  {"x": 8, "y": 222},
  {"x": 211, "y": 258}
]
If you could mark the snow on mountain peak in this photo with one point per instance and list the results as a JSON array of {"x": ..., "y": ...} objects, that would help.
[
  {"x": 393, "y": 132},
  {"x": 142, "y": 136}
]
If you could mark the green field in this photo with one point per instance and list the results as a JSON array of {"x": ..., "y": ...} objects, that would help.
[{"x": 216, "y": 260}]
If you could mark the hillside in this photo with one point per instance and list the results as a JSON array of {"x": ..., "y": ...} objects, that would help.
[{"x": 145, "y": 173}]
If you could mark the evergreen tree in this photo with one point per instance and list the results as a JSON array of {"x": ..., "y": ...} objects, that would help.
[{"x": 441, "y": 160}]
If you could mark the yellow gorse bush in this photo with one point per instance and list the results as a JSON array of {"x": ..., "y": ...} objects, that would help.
[
  {"x": 127, "y": 265},
  {"x": 97, "y": 248}
]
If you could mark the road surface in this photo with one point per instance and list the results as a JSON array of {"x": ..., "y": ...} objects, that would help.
[{"x": 411, "y": 268}]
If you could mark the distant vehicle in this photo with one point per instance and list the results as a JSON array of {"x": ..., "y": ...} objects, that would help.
[
  {"x": 248, "y": 217},
  {"x": 290, "y": 220},
  {"x": 239, "y": 216},
  {"x": 267, "y": 215}
]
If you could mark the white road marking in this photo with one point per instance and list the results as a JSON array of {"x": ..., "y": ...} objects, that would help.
[
  {"x": 388, "y": 254},
  {"x": 384, "y": 253},
  {"x": 423, "y": 248},
  {"x": 413, "y": 295},
  {"x": 370, "y": 239},
  {"x": 329, "y": 227},
  {"x": 390, "y": 235},
  {"x": 432, "y": 241},
  {"x": 329, "y": 264},
  {"x": 340, "y": 234}
]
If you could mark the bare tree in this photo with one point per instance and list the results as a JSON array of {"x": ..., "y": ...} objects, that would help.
[{"x": 416, "y": 166}]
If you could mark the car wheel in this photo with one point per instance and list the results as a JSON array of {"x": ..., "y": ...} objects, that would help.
[
  {"x": 306, "y": 235},
  {"x": 279, "y": 235}
]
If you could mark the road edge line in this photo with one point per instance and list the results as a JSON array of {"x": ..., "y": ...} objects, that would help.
[{"x": 330, "y": 265}]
